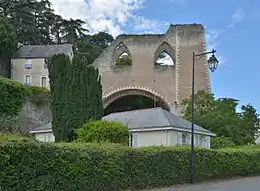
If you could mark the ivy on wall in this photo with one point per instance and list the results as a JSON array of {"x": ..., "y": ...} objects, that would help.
[{"x": 13, "y": 96}]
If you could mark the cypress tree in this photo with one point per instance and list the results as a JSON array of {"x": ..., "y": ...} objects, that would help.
[
  {"x": 60, "y": 75},
  {"x": 76, "y": 94}
]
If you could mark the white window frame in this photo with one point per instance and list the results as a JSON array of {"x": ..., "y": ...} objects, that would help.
[
  {"x": 25, "y": 79},
  {"x": 135, "y": 140},
  {"x": 28, "y": 64},
  {"x": 200, "y": 141},
  {"x": 184, "y": 138},
  {"x": 42, "y": 81}
]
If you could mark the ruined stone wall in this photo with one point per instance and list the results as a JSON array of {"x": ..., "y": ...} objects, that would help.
[{"x": 173, "y": 83}]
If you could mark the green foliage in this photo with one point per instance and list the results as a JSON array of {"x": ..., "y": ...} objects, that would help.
[
  {"x": 38, "y": 95},
  {"x": 7, "y": 137},
  {"x": 87, "y": 51},
  {"x": 60, "y": 70},
  {"x": 220, "y": 116},
  {"x": 76, "y": 94},
  {"x": 12, "y": 96},
  {"x": 104, "y": 131},
  {"x": 7, "y": 39},
  {"x": 35, "y": 166},
  {"x": 221, "y": 142},
  {"x": 124, "y": 60}
]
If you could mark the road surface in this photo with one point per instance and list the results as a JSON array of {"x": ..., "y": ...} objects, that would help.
[{"x": 240, "y": 184}]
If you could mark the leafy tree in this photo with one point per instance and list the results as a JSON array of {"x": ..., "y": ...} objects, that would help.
[
  {"x": 36, "y": 23},
  {"x": 73, "y": 30},
  {"x": 103, "y": 131},
  {"x": 8, "y": 45},
  {"x": 220, "y": 117},
  {"x": 7, "y": 39},
  {"x": 87, "y": 51},
  {"x": 101, "y": 39},
  {"x": 249, "y": 123}
]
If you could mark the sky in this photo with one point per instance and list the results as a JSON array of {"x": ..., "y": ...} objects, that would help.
[{"x": 232, "y": 28}]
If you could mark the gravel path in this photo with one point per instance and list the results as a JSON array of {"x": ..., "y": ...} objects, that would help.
[{"x": 240, "y": 184}]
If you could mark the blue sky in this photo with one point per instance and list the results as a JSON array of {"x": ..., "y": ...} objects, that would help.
[{"x": 232, "y": 26}]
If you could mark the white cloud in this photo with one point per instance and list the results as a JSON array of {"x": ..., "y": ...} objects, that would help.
[
  {"x": 149, "y": 26},
  {"x": 167, "y": 60},
  {"x": 237, "y": 16},
  {"x": 104, "y": 15}
]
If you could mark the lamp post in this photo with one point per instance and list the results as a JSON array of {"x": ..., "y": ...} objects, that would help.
[{"x": 213, "y": 64}]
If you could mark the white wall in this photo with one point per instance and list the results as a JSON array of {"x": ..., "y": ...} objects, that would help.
[
  {"x": 167, "y": 138},
  {"x": 149, "y": 138},
  {"x": 257, "y": 140},
  {"x": 45, "y": 137}
]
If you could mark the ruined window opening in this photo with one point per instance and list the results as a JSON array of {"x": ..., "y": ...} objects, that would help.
[
  {"x": 124, "y": 60},
  {"x": 164, "y": 59}
]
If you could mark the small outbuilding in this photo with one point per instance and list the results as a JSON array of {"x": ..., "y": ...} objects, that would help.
[{"x": 148, "y": 127}]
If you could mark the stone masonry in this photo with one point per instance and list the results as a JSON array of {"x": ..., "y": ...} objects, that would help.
[{"x": 166, "y": 84}]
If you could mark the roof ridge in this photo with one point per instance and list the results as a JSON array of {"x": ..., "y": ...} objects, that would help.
[
  {"x": 130, "y": 111},
  {"x": 166, "y": 115}
]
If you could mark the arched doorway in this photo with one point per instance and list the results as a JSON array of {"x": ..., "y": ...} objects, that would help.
[{"x": 133, "y": 98}]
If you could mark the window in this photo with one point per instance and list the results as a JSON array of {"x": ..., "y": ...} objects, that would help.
[
  {"x": 134, "y": 138},
  {"x": 44, "y": 81},
  {"x": 27, "y": 80},
  {"x": 28, "y": 64},
  {"x": 185, "y": 139},
  {"x": 200, "y": 140}
]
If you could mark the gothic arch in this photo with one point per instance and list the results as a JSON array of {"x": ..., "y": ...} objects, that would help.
[
  {"x": 134, "y": 90},
  {"x": 119, "y": 49},
  {"x": 164, "y": 47}
]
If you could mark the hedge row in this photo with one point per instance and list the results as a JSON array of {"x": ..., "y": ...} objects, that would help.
[
  {"x": 36, "y": 166},
  {"x": 13, "y": 95}
]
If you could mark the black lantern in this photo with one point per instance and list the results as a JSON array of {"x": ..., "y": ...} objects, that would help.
[{"x": 213, "y": 63}]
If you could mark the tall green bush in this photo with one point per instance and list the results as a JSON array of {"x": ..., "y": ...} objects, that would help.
[
  {"x": 35, "y": 166},
  {"x": 104, "y": 131},
  {"x": 12, "y": 96},
  {"x": 76, "y": 94},
  {"x": 221, "y": 142}
]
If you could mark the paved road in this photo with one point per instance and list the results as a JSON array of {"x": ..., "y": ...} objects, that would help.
[{"x": 241, "y": 184}]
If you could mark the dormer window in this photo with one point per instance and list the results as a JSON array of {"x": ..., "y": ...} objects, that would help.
[{"x": 28, "y": 64}]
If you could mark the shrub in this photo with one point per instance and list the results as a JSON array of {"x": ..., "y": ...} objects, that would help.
[
  {"x": 12, "y": 96},
  {"x": 38, "y": 95},
  {"x": 103, "y": 131},
  {"x": 73, "y": 166},
  {"x": 221, "y": 142},
  {"x": 7, "y": 137}
]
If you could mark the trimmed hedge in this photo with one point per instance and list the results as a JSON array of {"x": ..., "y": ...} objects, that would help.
[
  {"x": 103, "y": 131},
  {"x": 221, "y": 142},
  {"x": 37, "y": 166},
  {"x": 12, "y": 96}
]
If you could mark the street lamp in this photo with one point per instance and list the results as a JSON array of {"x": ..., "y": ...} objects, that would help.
[{"x": 213, "y": 64}]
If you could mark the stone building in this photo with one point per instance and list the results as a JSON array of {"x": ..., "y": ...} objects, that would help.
[
  {"x": 29, "y": 63},
  {"x": 166, "y": 84}
]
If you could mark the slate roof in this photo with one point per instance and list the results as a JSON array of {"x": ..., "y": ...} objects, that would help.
[
  {"x": 144, "y": 119},
  {"x": 152, "y": 118},
  {"x": 42, "y": 51},
  {"x": 45, "y": 128}
]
